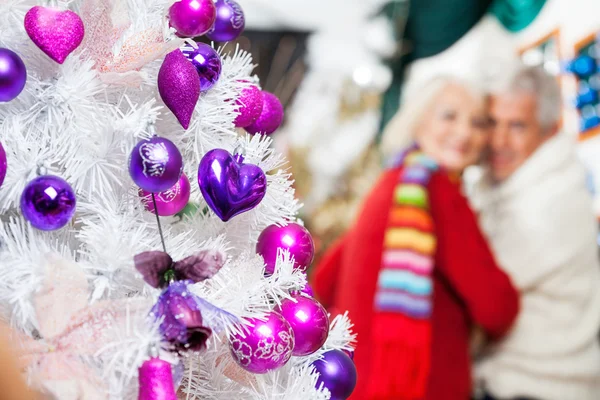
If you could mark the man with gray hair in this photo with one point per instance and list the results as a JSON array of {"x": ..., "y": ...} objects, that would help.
[{"x": 538, "y": 216}]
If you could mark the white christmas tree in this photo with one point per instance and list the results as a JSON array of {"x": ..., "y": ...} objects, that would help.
[{"x": 100, "y": 309}]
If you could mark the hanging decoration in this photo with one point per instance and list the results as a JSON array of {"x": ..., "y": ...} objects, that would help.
[
  {"x": 266, "y": 346},
  {"x": 337, "y": 373},
  {"x": 48, "y": 202},
  {"x": 230, "y": 186},
  {"x": 57, "y": 33},
  {"x": 270, "y": 118},
  {"x": 155, "y": 165},
  {"x": 308, "y": 320},
  {"x": 169, "y": 202},
  {"x": 13, "y": 75},
  {"x": 230, "y": 21},
  {"x": 156, "y": 380},
  {"x": 250, "y": 105},
  {"x": 179, "y": 86},
  {"x": 293, "y": 237},
  {"x": 192, "y": 18},
  {"x": 3, "y": 164},
  {"x": 207, "y": 63}
]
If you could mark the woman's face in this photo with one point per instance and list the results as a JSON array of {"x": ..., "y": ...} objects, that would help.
[{"x": 453, "y": 131}]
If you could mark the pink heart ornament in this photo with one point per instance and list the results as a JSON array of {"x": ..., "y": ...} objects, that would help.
[{"x": 56, "y": 33}]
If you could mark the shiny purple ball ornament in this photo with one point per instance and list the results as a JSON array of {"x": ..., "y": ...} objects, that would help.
[
  {"x": 230, "y": 22},
  {"x": 337, "y": 373},
  {"x": 169, "y": 202},
  {"x": 192, "y": 18},
  {"x": 155, "y": 165},
  {"x": 292, "y": 237},
  {"x": 3, "y": 164},
  {"x": 229, "y": 186},
  {"x": 179, "y": 86},
  {"x": 270, "y": 117},
  {"x": 48, "y": 202},
  {"x": 309, "y": 321},
  {"x": 13, "y": 75},
  {"x": 265, "y": 346},
  {"x": 207, "y": 63},
  {"x": 250, "y": 105}
]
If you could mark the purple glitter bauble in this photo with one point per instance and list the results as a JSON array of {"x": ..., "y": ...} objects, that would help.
[
  {"x": 207, "y": 63},
  {"x": 13, "y": 75},
  {"x": 229, "y": 186},
  {"x": 155, "y": 165},
  {"x": 270, "y": 118},
  {"x": 179, "y": 87},
  {"x": 337, "y": 373},
  {"x": 230, "y": 22},
  {"x": 171, "y": 201},
  {"x": 192, "y": 18},
  {"x": 3, "y": 164},
  {"x": 57, "y": 33},
  {"x": 156, "y": 380},
  {"x": 309, "y": 321},
  {"x": 292, "y": 237},
  {"x": 250, "y": 106},
  {"x": 182, "y": 324},
  {"x": 48, "y": 202},
  {"x": 266, "y": 346}
]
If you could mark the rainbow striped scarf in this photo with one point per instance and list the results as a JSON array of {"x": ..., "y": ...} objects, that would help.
[{"x": 405, "y": 283}]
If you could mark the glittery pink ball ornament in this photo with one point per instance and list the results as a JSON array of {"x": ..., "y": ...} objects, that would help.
[
  {"x": 171, "y": 201},
  {"x": 156, "y": 380},
  {"x": 250, "y": 105},
  {"x": 192, "y": 18},
  {"x": 179, "y": 86},
  {"x": 310, "y": 323},
  {"x": 265, "y": 346},
  {"x": 292, "y": 237},
  {"x": 57, "y": 33},
  {"x": 270, "y": 117}
]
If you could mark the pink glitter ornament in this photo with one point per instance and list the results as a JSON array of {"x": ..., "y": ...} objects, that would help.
[
  {"x": 192, "y": 18},
  {"x": 270, "y": 118},
  {"x": 310, "y": 323},
  {"x": 156, "y": 380},
  {"x": 250, "y": 106},
  {"x": 179, "y": 86},
  {"x": 266, "y": 346},
  {"x": 171, "y": 201},
  {"x": 56, "y": 33}
]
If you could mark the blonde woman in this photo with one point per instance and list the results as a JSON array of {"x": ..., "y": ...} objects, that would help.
[{"x": 414, "y": 272}]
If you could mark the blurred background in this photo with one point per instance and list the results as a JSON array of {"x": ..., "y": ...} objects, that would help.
[{"x": 341, "y": 71}]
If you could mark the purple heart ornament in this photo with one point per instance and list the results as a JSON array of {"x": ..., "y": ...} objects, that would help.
[
  {"x": 56, "y": 33},
  {"x": 229, "y": 186}
]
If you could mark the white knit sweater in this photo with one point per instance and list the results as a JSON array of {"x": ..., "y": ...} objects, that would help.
[{"x": 542, "y": 229}]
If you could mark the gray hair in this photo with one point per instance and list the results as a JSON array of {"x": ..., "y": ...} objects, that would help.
[
  {"x": 538, "y": 82},
  {"x": 400, "y": 131}
]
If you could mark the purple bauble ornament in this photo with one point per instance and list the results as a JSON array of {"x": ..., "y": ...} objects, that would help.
[
  {"x": 179, "y": 86},
  {"x": 250, "y": 106},
  {"x": 156, "y": 380},
  {"x": 270, "y": 118},
  {"x": 229, "y": 186},
  {"x": 3, "y": 164},
  {"x": 292, "y": 237},
  {"x": 310, "y": 323},
  {"x": 171, "y": 201},
  {"x": 57, "y": 33},
  {"x": 13, "y": 75},
  {"x": 230, "y": 22},
  {"x": 48, "y": 202},
  {"x": 155, "y": 165},
  {"x": 337, "y": 373},
  {"x": 207, "y": 63},
  {"x": 182, "y": 324},
  {"x": 192, "y": 18},
  {"x": 266, "y": 346}
]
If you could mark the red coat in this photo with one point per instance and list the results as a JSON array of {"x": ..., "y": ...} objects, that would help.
[{"x": 469, "y": 289}]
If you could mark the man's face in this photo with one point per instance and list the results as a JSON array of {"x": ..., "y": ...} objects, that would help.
[{"x": 516, "y": 132}]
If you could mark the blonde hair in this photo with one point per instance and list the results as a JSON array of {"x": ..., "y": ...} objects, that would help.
[{"x": 400, "y": 131}]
